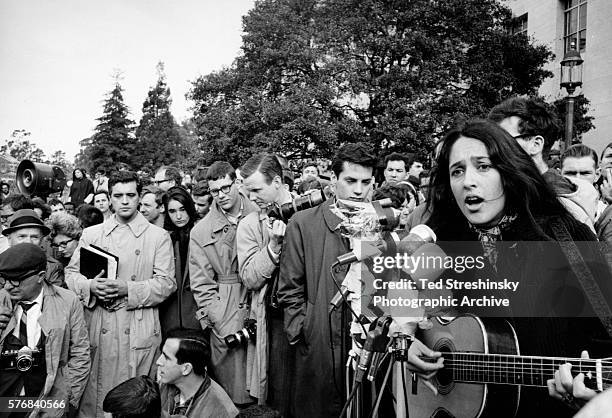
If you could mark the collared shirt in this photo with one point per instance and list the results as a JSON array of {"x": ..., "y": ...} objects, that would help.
[
  {"x": 231, "y": 218},
  {"x": 33, "y": 326}
]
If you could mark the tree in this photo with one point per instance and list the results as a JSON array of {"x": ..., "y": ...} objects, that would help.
[
  {"x": 582, "y": 121},
  {"x": 393, "y": 73},
  {"x": 20, "y": 148},
  {"x": 158, "y": 139},
  {"x": 112, "y": 143}
]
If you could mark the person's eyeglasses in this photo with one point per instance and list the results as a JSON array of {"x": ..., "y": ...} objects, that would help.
[
  {"x": 225, "y": 189},
  {"x": 13, "y": 283},
  {"x": 158, "y": 182},
  {"x": 62, "y": 244}
]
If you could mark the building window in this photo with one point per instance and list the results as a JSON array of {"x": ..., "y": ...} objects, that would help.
[
  {"x": 575, "y": 24},
  {"x": 519, "y": 25}
]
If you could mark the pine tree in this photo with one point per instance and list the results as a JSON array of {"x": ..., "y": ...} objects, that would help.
[
  {"x": 112, "y": 143},
  {"x": 158, "y": 139}
]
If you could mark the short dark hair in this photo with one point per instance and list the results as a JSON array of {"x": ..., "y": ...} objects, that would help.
[
  {"x": 219, "y": 170},
  {"x": 396, "y": 156},
  {"x": 55, "y": 202},
  {"x": 89, "y": 215},
  {"x": 171, "y": 173},
  {"x": 18, "y": 201},
  {"x": 137, "y": 397},
  {"x": 193, "y": 348},
  {"x": 266, "y": 164},
  {"x": 309, "y": 184},
  {"x": 124, "y": 176},
  {"x": 104, "y": 192},
  {"x": 201, "y": 188},
  {"x": 535, "y": 118},
  {"x": 579, "y": 151},
  {"x": 359, "y": 154},
  {"x": 39, "y": 203},
  {"x": 396, "y": 193}
]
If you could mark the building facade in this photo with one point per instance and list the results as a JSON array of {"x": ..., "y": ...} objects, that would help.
[{"x": 587, "y": 24}]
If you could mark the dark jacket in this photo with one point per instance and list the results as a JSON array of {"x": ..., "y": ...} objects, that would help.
[
  {"x": 79, "y": 190},
  {"x": 311, "y": 246},
  {"x": 179, "y": 310},
  {"x": 529, "y": 255}
]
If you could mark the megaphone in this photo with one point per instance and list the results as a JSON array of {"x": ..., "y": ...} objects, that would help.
[{"x": 38, "y": 179}]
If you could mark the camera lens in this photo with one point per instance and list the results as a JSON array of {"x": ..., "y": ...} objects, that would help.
[{"x": 24, "y": 362}]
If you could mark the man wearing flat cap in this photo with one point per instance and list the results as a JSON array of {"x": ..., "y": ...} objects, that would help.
[
  {"x": 46, "y": 322},
  {"x": 25, "y": 226}
]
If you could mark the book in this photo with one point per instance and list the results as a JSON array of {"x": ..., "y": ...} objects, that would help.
[{"x": 94, "y": 259}]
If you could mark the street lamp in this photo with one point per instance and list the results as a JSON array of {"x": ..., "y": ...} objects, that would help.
[{"x": 571, "y": 78}]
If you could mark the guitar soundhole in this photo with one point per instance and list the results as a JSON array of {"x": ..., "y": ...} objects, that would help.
[
  {"x": 444, "y": 377},
  {"x": 442, "y": 413}
]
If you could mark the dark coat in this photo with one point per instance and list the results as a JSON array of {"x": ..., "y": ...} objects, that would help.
[
  {"x": 305, "y": 290},
  {"x": 529, "y": 256},
  {"x": 79, "y": 190},
  {"x": 179, "y": 310}
]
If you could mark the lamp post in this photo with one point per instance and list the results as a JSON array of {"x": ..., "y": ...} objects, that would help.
[{"x": 571, "y": 78}]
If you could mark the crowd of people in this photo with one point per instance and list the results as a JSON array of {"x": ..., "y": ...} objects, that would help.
[{"x": 219, "y": 301}]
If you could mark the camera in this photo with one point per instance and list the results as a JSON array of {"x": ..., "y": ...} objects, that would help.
[
  {"x": 38, "y": 179},
  {"x": 243, "y": 336},
  {"x": 23, "y": 359},
  {"x": 286, "y": 211}
]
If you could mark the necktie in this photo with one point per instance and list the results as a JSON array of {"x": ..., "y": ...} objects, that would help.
[{"x": 23, "y": 324}]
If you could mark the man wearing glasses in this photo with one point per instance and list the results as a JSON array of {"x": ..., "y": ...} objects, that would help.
[
  {"x": 167, "y": 177},
  {"x": 217, "y": 288},
  {"x": 25, "y": 226},
  {"x": 45, "y": 323},
  {"x": 536, "y": 129}
]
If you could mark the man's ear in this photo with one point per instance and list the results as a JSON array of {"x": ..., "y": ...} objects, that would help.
[
  {"x": 187, "y": 369},
  {"x": 538, "y": 143}
]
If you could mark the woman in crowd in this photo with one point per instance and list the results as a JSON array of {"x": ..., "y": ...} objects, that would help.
[
  {"x": 485, "y": 189},
  {"x": 179, "y": 309},
  {"x": 65, "y": 234},
  {"x": 81, "y": 189}
]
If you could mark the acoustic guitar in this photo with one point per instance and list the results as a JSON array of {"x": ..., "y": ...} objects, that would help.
[{"x": 484, "y": 371}]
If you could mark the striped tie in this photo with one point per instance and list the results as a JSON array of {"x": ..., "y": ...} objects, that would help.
[{"x": 23, "y": 324}]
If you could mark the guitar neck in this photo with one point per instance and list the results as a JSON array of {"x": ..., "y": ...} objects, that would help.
[{"x": 520, "y": 370}]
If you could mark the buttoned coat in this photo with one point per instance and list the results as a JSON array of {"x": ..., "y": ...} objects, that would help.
[
  {"x": 125, "y": 342},
  {"x": 311, "y": 245},
  {"x": 220, "y": 295},
  {"x": 67, "y": 354}
]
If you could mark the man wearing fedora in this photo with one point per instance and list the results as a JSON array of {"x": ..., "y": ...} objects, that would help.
[
  {"x": 25, "y": 226},
  {"x": 46, "y": 324}
]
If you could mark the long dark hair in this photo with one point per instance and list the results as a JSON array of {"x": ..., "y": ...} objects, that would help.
[
  {"x": 527, "y": 192},
  {"x": 182, "y": 196}
]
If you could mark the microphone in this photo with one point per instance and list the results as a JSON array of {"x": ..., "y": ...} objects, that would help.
[
  {"x": 400, "y": 242},
  {"x": 366, "y": 356}
]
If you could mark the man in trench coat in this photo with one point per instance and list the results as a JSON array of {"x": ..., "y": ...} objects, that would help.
[
  {"x": 221, "y": 297},
  {"x": 121, "y": 313},
  {"x": 312, "y": 243}
]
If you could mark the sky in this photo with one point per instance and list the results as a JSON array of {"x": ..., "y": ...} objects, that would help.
[{"x": 57, "y": 58}]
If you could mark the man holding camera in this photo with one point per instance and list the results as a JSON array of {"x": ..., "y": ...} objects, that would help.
[
  {"x": 213, "y": 270},
  {"x": 43, "y": 335},
  {"x": 259, "y": 242}
]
